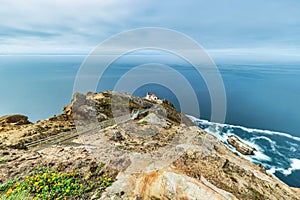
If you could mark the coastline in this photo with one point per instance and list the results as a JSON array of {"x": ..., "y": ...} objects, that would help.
[{"x": 261, "y": 156}]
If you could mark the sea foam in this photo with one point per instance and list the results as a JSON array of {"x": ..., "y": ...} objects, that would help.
[
  {"x": 259, "y": 155},
  {"x": 295, "y": 165},
  {"x": 249, "y": 130}
]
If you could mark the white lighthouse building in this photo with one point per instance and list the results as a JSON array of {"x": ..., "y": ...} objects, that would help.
[{"x": 151, "y": 97}]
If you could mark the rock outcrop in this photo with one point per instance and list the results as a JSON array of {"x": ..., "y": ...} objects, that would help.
[
  {"x": 19, "y": 132},
  {"x": 14, "y": 120},
  {"x": 240, "y": 146},
  {"x": 165, "y": 184}
]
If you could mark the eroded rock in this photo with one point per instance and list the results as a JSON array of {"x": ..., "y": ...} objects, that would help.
[
  {"x": 240, "y": 146},
  {"x": 14, "y": 120}
]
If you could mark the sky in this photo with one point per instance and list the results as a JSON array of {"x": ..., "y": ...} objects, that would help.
[{"x": 232, "y": 27}]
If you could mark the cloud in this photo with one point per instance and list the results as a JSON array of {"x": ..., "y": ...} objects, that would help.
[
  {"x": 60, "y": 23},
  {"x": 11, "y": 32},
  {"x": 78, "y": 26}
]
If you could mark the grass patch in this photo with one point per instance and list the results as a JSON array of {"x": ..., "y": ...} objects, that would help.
[{"x": 3, "y": 160}]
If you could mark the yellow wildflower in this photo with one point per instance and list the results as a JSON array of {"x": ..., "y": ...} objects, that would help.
[{"x": 9, "y": 191}]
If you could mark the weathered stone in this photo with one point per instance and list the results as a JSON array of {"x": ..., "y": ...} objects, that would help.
[
  {"x": 163, "y": 185},
  {"x": 14, "y": 119},
  {"x": 152, "y": 118},
  {"x": 240, "y": 146},
  {"x": 115, "y": 135}
]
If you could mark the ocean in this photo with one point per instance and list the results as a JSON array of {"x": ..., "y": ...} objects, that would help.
[{"x": 262, "y": 99}]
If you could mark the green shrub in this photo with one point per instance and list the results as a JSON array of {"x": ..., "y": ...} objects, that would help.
[
  {"x": 6, "y": 185},
  {"x": 51, "y": 184}
]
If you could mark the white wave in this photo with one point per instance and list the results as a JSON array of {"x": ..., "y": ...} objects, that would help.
[
  {"x": 292, "y": 144},
  {"x": 249, "y": 130},
  {"x": 264, "y": 138},
  {"x": 216, "y": 129},
  {"x": 293, "y": 149},
  {"x": 268, "y": 132},
  {"x": 216, "y": 133},
  {"x": 286, "y": 172},
  {"x": 259, "y": 155},
  {"x": 250, "y": 143},
  {"x": 272, "y": 143},
  {"x": 295, "y": 165},
  {"x": 272, "y": 170},
  {"x": 213, "y": 128}
]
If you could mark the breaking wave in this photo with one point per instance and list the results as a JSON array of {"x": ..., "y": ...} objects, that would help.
[{"x": 277, "y": 152}]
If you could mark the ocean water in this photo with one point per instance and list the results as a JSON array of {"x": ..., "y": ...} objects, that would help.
[
  {"x": 277, "y": 152},
  {"x": 262, "y": 99}
]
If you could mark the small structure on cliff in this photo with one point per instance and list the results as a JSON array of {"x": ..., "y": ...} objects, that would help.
[{"x": 151, "y": 97}]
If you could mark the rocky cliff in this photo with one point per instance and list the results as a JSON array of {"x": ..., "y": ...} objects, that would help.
[{"x": 150, "y": 151}]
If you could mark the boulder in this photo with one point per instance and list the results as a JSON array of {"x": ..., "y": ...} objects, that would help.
[
  {"x": 115, "y": 135},
  {"x": 80, "y": 108},
  {"x": 240, "y": 146},
  {"x": 14, "y": 119},
  {"x": 152, "y": 118}
]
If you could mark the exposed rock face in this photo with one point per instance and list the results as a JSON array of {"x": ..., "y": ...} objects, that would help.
[
  {"x": 165, "y": 184},
  {"x": 154, "y": 119},
  {"x": 159, "y": 155},
  {"x": 80, "y": 108},
  {"x": 14, "y": 120},
  {"x": 240, "y": 146},
  {"x": 22, "y": 132},
  {"x": 206, "y": 169}
]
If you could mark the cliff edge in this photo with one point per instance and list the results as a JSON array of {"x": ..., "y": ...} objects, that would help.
[{"x": 148, "y": 149}]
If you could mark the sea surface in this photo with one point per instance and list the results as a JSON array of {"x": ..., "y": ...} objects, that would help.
[{"x": 263, "y": 99}]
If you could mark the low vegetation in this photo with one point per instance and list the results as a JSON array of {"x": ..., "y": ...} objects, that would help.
[
  {"x": 3, "y": 160},
  {"x": 45, "y": 183}
]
